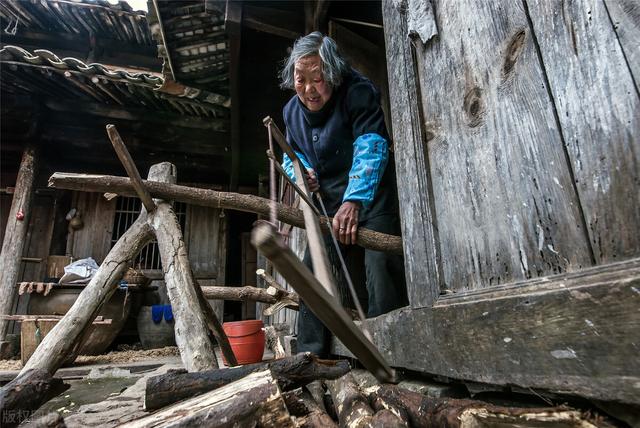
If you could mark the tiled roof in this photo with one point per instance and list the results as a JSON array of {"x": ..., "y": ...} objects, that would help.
[{"x": 43, "y": 73}]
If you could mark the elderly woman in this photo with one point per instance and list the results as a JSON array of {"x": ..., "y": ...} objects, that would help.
[{"x": 336, "y": 127}]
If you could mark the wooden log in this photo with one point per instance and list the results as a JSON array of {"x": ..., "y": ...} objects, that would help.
[
  {"x": 191, "y": 331},
  {"x": 26, "y": 393},
  {"x": 246, "y": 293},
  {"x": 352, "y": 406},
  {"x": 461, "y": 413},
  {"x": 61, "y": 340},
  {"x": 274, "y": 342},
  {"x": 253, "y": 400},
  {"x": 380, "y": 403},
  {"x": 50, "y": 420},
  {"x": 308, "y": 413},
  {"x": 211, "y": 198},
  {"x": 14, "y": 237},
  {"x": 387, "y": 419},
  {"x": 291, "y": 372}
]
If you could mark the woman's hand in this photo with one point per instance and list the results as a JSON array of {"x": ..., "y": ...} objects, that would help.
[
  {"x": 345, "y": 222},
  {"x": 312, "y": 181}
]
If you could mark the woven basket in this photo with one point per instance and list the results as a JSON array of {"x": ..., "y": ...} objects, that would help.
[{"x": 133, "y": 276}]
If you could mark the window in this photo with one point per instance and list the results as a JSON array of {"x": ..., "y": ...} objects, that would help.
[{"x": 127, "y": 211}]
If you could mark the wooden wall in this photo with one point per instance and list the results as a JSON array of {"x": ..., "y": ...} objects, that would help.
[
  {"x": 519, "y": 125},
  {"x": 94, "y": 238}
]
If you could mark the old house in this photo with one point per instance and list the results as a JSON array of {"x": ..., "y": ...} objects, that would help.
[{"x": 515, "y": 129}]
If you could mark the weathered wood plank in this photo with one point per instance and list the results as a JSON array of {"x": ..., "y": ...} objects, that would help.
[
  {"x": 625, "y": 16},
  {"x": 13, "y": 243},
  {"x": 94, "y": 238},
  {"x": 419, "y": 227},
  {"x": 599, "y": 111},
  {"x": 503, "y": 193},
  {"x": 202, "y": 235},
  {"x": 573, "y": 333}
]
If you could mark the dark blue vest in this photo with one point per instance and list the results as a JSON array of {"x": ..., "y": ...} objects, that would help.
[{"x": 326, "y": 138}]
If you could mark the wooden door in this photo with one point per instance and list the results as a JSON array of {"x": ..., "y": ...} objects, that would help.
[{"x": 517, "y": 127}]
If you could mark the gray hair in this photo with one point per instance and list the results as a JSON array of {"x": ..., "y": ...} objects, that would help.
[{"x": 334, "y": 66}]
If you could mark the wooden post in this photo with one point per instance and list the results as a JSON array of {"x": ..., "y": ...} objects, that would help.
[
  {"x": 14, "y": 237},
  {"x": 192, "y": 335}
]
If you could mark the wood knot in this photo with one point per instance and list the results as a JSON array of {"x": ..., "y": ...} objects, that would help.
[
  {"x": 513, "y": 52},
  {"x": 474, "y": 108}
]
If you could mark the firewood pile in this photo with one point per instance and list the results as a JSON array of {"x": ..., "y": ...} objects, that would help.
[{"x": 295, "y": 391}]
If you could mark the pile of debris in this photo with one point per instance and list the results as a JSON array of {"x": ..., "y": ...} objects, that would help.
[{"x": 295, "y": 391}]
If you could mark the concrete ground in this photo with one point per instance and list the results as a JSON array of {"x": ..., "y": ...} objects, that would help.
[{"x": 107, "y": 395}]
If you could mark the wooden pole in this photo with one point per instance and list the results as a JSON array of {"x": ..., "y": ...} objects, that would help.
[
  {"x": 130, "y": 167},
  {"x": 14, "y": 238},
  {"x": 211, "y": 198}
]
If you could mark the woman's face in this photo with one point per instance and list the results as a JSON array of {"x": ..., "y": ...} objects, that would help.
[{"x": 310, "y": 85}]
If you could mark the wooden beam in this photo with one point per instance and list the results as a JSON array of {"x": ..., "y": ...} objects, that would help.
[
  {"x": 211, "y": 198},
  {"x": 14, "y": 236},
  {"x": 134, "y": 114},
  {"x": 163, "y": 40},
  {"x": 323, "y": 305},
  {"x": 571, "y": 333},
  {"x": 63, "y": 338},
  {"x": 233, "y": 21},
  {"x": 130, "y": 166}
]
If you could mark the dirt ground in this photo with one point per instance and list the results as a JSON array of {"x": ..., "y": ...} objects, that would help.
[{"x": 113, "y": 357}]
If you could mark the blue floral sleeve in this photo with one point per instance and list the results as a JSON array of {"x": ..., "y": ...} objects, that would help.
[{"x": 370, "y": 157}]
